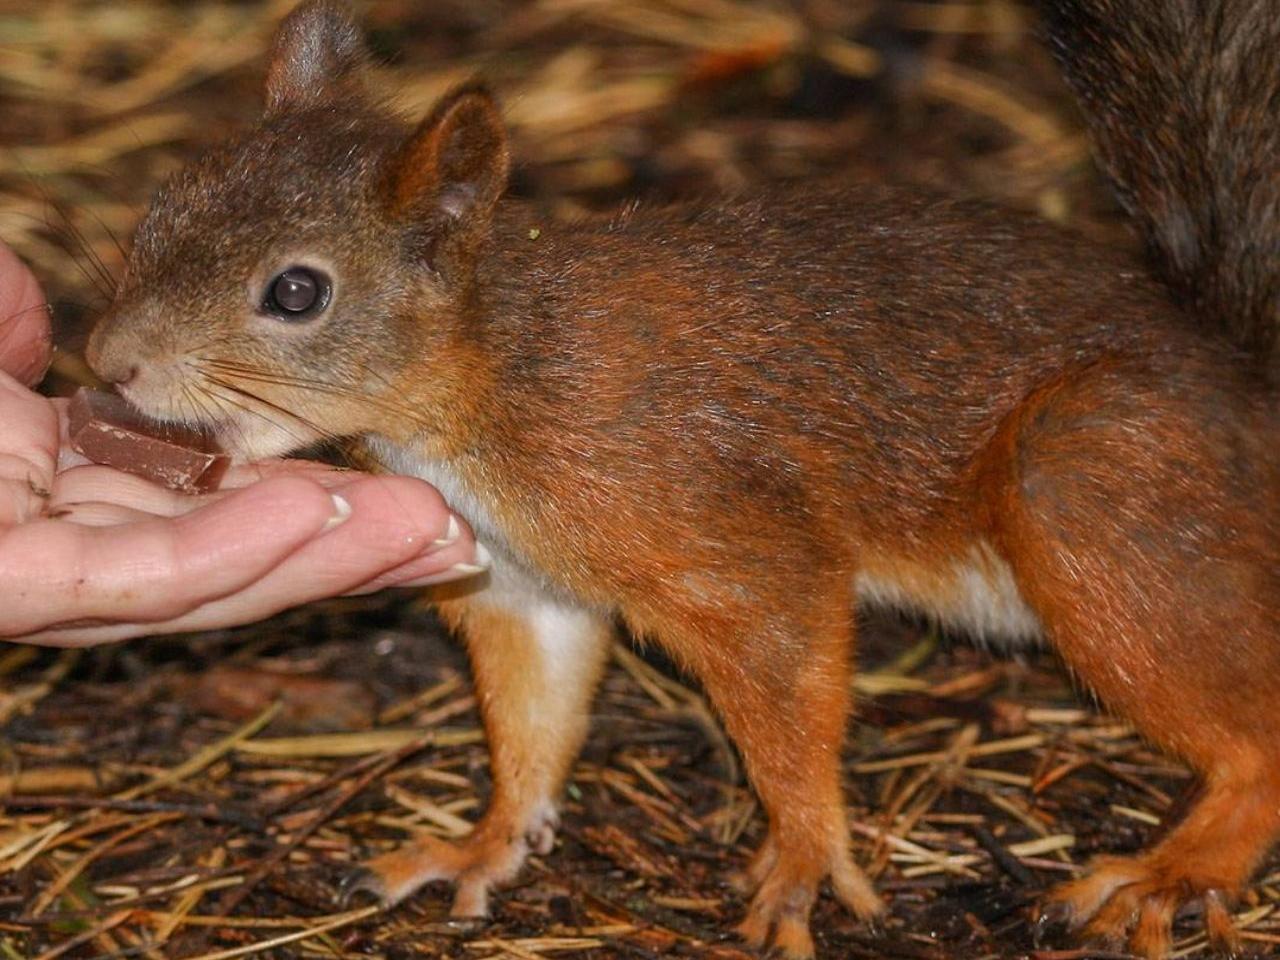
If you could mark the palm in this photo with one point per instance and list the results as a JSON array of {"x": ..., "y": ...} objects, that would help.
[{"x": 89, "y": 554}]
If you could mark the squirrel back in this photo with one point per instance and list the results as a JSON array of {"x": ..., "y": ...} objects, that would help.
[{"x": 1182, "y": 98}]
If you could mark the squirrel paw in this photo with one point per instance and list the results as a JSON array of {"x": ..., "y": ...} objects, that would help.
[
  {"x": 1134, "y": 899},
  {"x": 785, "y": 891},
  {"x": 490, "y": 856}
]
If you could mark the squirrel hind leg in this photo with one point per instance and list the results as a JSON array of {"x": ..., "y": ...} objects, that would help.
[
  {"x": 1147, "y": 547},
  {"x": 1205, "y": 859}
]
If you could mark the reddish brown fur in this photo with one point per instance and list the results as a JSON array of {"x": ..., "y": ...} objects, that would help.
[{"x": 719, "y": 426}]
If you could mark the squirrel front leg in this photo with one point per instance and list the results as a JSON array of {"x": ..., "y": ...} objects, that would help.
[
  {"x": 536, "y": 662},
  {"x": 778, "y": 672}
]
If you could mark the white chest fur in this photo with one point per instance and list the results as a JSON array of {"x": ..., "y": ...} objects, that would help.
[
  {"x": 444, "y": 478},
  {"x": 511, "y": 571},
  {"x": 558, "y": 623}
]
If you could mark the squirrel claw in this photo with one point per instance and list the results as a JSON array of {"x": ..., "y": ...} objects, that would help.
[
  {"x": 1224, "y": 938},
  {"x": 1133, "y": 901},
  {"x": 1051, "y": 920},
  {"x": 488, "y": 857},
  {"x": 876, "y": 928},
  {"x": 360, "y": 883}
]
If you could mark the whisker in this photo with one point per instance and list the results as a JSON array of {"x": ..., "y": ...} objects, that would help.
[
  {"x": 45, "y": 306},
  {"x": 82, "y": 242},
  {"x": 79, "y": 246},
  {"x": 215, "y": 414},
  {"x": 334, "y": 440},
  {"x": 235, "y": 389},
  {"x": 115, "y": 241},
  {"x": 231, "y": 401},
  {"x": 341, "y": 454},
  {"x": 94, "y": 281},
  {"x": 201, "y": 415},
  {"x": 244, "y": 371}
]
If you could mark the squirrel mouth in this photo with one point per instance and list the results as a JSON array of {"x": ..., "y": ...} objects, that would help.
[
  {"x": 237, "y": 427},
  {"x": 248, "y": 433}
]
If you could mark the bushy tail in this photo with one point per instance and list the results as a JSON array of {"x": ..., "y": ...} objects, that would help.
[{"x": 1183, "y": 100}]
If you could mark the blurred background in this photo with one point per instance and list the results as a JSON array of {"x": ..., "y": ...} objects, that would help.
[{"x": 606, "y": 99}]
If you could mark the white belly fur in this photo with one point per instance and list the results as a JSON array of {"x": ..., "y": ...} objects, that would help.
[{"x": 978, "y": 595}]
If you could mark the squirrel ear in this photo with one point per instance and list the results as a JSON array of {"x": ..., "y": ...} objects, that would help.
[
  {"x": 315, "y": 47},
  {"x": 455, "y": 165}
]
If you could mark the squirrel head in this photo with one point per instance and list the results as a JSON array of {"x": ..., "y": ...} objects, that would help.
[{"x": 278, "y": 284}]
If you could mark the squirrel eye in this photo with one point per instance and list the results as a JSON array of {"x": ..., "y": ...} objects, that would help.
[{"x": 297, "y": 294}]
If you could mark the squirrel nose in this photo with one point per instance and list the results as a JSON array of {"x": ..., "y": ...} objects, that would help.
[
  {"x": 119, "y": 376},
  {"x": 110, "y": 356},
  {"x": 112, "y": 371}
]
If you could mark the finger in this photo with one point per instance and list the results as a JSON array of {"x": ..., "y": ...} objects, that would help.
[
  {"x": 243, "y": 474},
  {"x": 456, "y": 561},
  {"x": 393, "y": 520},
  {"x": 159, "y": 569},
  {"x": 24, "y": 321},
  {"x": 93, "y": 483},
  {"x": 67, "y": 458},
  {"x": 28, "y": 451},
  {"x": 97, "y": 514}
]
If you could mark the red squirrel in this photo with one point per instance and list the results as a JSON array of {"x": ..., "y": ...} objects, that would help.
[{"x": 724, "y": 426}]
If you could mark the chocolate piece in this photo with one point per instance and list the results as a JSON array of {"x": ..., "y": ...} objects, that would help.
[{"x": 107, "y": 430}]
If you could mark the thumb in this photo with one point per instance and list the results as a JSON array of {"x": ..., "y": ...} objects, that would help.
[{"x": 24, "y": 321}]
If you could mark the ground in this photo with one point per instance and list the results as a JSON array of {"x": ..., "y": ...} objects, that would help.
[{"x": 153, "y": 802}]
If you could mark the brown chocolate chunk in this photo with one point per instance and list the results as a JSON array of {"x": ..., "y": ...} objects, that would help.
[{"x": 106, "y": 430}]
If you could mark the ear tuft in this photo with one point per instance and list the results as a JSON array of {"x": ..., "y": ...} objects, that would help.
[
  {"x": 316, "y": 47},
  {"x": 455, "y": 165}
]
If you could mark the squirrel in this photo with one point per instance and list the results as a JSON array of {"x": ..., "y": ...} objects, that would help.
[{"x": 724, "y": 426}]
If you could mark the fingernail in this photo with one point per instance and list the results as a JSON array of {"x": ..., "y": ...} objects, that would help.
[
  {"x": 483, "y": 562},
  {"x": 451, "y": 535},
  {"x": 341, "y": 511},
  {"x": 458, "y": 571}
]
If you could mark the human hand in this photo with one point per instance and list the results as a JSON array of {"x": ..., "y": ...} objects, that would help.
[{"x": 89, "y": 554}]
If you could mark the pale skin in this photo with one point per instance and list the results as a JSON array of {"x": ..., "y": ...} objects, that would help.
[{"x": 90, "y": 555}]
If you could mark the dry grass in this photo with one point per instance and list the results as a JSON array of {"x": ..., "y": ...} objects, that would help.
[
  {"x": 186, "y": 799},
  {"x": 156, "y": 809},
  {"x": 99, "y": 102}
]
